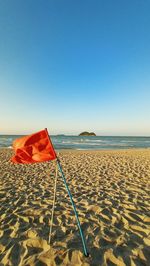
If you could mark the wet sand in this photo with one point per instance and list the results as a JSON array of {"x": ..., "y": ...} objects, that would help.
[{"x": 111, "y": 190}]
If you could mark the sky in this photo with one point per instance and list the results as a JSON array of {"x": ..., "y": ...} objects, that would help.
[{"x": 74, "y": 66}]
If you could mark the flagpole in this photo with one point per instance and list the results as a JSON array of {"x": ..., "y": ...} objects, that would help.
[
  {"x": 74, "y": 208},
  {"x": 72, "y": 202}
]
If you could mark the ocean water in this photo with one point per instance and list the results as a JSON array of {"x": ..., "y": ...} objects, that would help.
[{"x": 87, "y": 143}]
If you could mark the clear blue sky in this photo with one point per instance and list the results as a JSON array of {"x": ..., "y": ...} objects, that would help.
[{"x": 75, "y": 65}]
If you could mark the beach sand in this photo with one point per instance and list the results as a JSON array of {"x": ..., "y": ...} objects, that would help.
[{"x": 111, "y": 190}]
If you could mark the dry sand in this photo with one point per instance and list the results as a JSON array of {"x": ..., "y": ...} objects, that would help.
[{"x": 111, "y": 190}]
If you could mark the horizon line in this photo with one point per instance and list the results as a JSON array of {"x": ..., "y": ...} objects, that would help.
[{"x": 72, "y": 135}]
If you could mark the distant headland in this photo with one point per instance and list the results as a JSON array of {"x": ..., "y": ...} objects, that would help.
[{"x": 85, "y": 133}]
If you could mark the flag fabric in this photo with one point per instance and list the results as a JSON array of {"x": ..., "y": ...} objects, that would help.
[{"x": 33, "y": 148}]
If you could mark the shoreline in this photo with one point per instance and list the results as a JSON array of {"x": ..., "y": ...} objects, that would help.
[{"x": 91, "y": 150}]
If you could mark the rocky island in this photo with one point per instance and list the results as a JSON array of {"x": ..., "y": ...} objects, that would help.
[{"x": 85, "y": 133}]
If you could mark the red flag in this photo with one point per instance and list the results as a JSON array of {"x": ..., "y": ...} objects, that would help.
[{"x": 33, "y": 148}]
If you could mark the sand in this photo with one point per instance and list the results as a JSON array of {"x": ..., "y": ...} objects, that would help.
[{"x": 111, "y": 190}]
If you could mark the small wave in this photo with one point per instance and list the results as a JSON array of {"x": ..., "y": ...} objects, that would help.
[
  {"x": 118, "y": 144},
  {"x": 66, "y": 142},
  {"x": 94, "y": 140},
  {"x": 126, "y": 141}
]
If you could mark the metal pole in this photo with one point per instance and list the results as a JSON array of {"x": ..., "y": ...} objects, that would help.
[
  {"x": 74, "y": 208},
  {"x": 53, "y": 207}
]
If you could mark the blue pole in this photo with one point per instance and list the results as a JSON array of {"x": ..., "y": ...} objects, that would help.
[{"x": 74, "y": 208}]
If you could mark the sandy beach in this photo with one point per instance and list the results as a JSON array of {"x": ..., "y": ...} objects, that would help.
[{"x": 111, "y": 190}]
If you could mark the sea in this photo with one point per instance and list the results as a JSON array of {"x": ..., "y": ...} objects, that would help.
[{"x": 87, "y": 142}]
